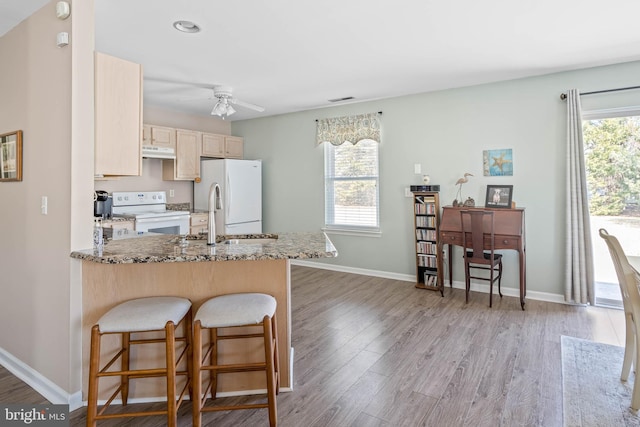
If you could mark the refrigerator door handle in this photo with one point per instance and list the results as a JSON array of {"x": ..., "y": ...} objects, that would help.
[{"x": 227, "y": 208}]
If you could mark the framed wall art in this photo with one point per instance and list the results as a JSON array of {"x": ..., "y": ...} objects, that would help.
[
  {"x": 497, "y": 162},
  {"x": 499, "y": 196},
  {"x": 11, "y": 156}
]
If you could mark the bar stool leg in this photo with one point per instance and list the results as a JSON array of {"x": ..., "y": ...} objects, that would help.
[
  {"x": 94, "y": 361},
  {"x": 213, "y": 361},
  {"x": 276, "y": 354},
  {"x": 270, "y": 371},
  {"x": 124, "y": 379},
  {"x": 188, "y": 331},
  {"x": 196, "y": 397},
  {"x": 170, "y": 349}
]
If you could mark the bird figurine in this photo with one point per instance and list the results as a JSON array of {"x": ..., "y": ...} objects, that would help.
[{"x": 459, "y": 184}]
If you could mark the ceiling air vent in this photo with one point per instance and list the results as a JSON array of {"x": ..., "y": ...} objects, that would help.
[{"x": 346, "y": 98}]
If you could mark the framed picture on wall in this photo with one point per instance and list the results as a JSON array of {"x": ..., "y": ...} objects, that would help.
[
  {"x": 11, "y": 156},
  {"x": 499, "y": 196}
]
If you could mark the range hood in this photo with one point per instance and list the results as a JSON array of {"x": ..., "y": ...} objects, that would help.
[{"x": 155, "y": 152}]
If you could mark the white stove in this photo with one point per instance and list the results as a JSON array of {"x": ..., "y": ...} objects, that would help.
[{"x": 149, "y": 210}]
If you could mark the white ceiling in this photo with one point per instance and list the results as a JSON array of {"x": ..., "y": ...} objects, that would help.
[
  {"x": 292, "y": 55},
  {"x": 12, "y": 12}
]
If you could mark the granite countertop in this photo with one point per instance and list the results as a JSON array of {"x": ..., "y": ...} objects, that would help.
[{"x": 171, "y": 248}]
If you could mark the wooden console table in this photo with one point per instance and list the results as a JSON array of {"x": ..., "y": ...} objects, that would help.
[{"x": 509, "y": 233}]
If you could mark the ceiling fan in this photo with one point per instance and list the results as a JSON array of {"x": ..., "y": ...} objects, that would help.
[{"x": 223, "y": 106}]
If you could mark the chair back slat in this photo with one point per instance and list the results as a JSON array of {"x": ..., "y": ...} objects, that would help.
[
  {"x": 475, "y": 224},
  {"x": 628, "y": 278}
]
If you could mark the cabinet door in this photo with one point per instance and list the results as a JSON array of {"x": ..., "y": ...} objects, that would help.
[
  {"x": 212, "y": 145},
  {"x": 118, "y": 116},
  {"x": 186, "y": 165},
  {"x": 146, "y": 135},
  {"x": 234, "y": 147},
  {"x": 163, "y": 137},
  {"x": 199, "y": 222}
]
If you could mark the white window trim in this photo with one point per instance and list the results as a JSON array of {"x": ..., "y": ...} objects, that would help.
[
  {"x": 610, "y": 113},
  {"x": 350, "y": 231},
  {"x": 353, "y": 230}
]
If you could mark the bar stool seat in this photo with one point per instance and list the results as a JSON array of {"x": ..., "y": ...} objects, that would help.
[
  {"x": 133, "y": 316},
  {"x": 232, "y": 311}
]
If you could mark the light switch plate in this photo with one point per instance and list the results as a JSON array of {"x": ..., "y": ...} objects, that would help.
[{"x": 417, "y": 168}]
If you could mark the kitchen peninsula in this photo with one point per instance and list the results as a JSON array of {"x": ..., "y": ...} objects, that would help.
[{"x": 158, "y": 265}]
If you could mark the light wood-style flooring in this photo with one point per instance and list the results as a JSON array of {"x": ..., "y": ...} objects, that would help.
[{"x": 379, "y": 352}]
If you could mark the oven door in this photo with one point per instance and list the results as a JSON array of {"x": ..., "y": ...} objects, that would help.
[{"x": 178, "y": 224}]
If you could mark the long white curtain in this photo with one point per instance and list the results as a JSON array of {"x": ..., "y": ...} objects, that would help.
[{"x": 579, "y": 285}]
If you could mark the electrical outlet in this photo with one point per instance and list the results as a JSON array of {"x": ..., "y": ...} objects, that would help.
[
  {"x": 44, "y": 205},
  {"x": 172, "y": 193},
  {"x": 407, "y": 192},
  {"x": 417, "y": 168}
]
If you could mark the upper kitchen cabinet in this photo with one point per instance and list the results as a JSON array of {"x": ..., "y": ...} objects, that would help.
[
  {"x": 222, "y": 146},
  {"x": 212, "y": 145},
  {"x": 186, "y": 165},
  {"x": 158, "y": 136},
  {"x": 118, "y": 116},
  {"x": 233, "y": 147}
]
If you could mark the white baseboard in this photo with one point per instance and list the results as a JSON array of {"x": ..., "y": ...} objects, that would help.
[
  {"x": 476, "y": 287},
  {"x": 47, "y": 388},
  {"x": 74, "y": 400},
  {"x": 57, "y": 395}
]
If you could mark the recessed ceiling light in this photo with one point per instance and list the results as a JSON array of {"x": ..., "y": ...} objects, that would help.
[{"x": 186, "y": 26}]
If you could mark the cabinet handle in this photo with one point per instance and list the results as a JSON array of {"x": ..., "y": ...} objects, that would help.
[
  {"x": 505, "y": 241},
  {"x": 453, "y": 237},
  {"x": 203, "y": 220}
]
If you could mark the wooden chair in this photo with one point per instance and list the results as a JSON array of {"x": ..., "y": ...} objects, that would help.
[
  {"x": 141, "y": 315},
  {"x": 629, "y": 280},
  {"x": 233, "y": 311},
  {"x": 477, "y": 234}
]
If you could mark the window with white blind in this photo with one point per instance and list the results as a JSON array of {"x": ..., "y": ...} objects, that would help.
[{"x": 351, "y": 186}]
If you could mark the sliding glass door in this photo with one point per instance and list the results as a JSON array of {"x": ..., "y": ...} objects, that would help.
[{"x": 612, "y": 157}]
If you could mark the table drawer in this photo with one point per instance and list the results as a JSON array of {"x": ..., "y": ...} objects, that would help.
[
  {"x": 448, "y": 238},
  {"x": 506, "y": 242},
  {"x": 501, "y": 241}
]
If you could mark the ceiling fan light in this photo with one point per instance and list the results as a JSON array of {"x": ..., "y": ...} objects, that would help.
[
  {"x": 219, "y": 109},
  {"x": 230, "y": 110}
]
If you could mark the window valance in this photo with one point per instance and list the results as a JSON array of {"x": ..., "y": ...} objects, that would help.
[{"x": 353, "y": 129}]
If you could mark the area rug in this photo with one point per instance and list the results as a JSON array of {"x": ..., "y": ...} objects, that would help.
[{"x": 593, "y": 395}]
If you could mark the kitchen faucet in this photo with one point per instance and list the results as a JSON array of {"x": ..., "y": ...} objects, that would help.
[{"x": 215, "y": 202}]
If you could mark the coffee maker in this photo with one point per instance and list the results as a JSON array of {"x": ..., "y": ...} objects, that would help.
[{"x": 102, "y": 203}]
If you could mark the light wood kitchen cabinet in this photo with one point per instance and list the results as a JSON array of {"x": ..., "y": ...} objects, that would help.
[
  {"x": 199, "y": 223},
  {"x": 158, "y": 136},
  {"x": 212, "y": 145},
  {"x": 222, "y": 146},
  {"x": 186, "y": 165},
  {"x": 233, "y": 147},
  {"x": 118, "y": 116}
]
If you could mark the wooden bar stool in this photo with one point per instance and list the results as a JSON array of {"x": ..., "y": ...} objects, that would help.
[
  {"x": 141, "y": 315},
  {"x": 231, "y": 311}
]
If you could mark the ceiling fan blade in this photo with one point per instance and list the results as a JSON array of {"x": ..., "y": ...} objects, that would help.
[{"x": 246, "y": 105}]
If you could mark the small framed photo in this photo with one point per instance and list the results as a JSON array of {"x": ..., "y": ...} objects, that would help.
[{"x": 499, "y": 196}]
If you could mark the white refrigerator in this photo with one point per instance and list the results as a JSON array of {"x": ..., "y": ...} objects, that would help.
[{"x": 240, "y": 184}]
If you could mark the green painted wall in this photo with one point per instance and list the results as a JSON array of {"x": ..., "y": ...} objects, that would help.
[{"x": 446, "y": 132}]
